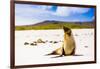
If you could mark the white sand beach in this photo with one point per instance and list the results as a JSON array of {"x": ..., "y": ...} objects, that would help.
[{"x": 30, "y": 54}]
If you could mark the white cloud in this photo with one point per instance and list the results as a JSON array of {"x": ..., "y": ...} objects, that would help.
[
  {"x": 62, "y": 11},
  {"x": 25, "y": 21},
  {"x": 67, "y": 11},
  {"x": 44, "y": 7},
  {"x": 27, "y": 14},
  {"x": 31, "y": 10},
  {"x": 79, "y": 10},
  {"x": 31, "y": 14}
]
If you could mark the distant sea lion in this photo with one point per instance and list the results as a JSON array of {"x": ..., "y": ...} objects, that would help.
[{"x": 68, "y": 46}]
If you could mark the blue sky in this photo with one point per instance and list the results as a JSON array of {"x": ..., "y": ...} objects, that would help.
[{"x": 26, "y": 14}]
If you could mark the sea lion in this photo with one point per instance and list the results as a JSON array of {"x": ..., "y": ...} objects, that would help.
[{"x": 68, "y": 46}]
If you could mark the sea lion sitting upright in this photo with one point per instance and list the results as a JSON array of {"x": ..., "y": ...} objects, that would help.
[{"x": 68, "y": 46}]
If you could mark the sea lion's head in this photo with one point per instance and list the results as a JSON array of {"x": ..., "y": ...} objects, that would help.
[{"x": 67, "y": 30}]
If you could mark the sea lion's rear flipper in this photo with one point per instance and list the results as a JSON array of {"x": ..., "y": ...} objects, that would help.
[
  {"x": 56, "y": 52},
  {"x": 63, "y": 53},
  {"x": 52, "y": 53}
]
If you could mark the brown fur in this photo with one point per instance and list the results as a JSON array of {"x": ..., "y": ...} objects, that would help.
[{"x": 68, "y": 46}]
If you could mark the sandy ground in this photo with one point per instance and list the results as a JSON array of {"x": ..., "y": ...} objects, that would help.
[{"x": 29, "y": 54}]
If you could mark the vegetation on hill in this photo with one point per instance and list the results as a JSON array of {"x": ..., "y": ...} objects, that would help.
[{"x": 55, "y": 25}]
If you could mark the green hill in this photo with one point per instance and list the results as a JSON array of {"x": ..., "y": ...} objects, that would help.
[{"x": 55, "y": 25}]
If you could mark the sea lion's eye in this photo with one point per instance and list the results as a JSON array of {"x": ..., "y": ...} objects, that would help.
[{"x": 69, "y": 31}]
